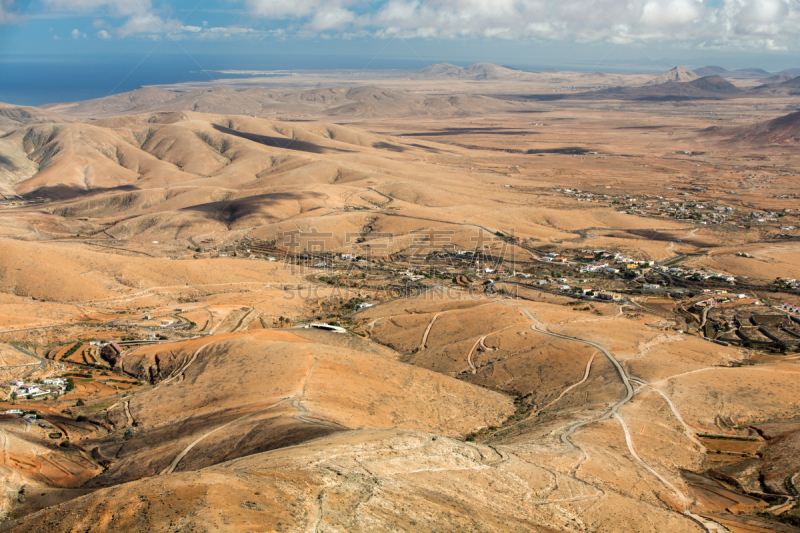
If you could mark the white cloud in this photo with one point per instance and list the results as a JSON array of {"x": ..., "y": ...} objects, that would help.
[
  {"x": 764, "y": 24},
  {"x": 147, "y": 23},
  {"x": 112, "y": 7},
  {"x": 6, "y": 17},
  {"x": 332, "y": 18},
  {"x": 140, "y": 18},
  {"x": 222, "y": 33},
  {"x": 76, "y": 34},
  {"x": 140, "y": 15},
  {"x": 280, "y": 9},
  {"x": 733, "y": 23}
]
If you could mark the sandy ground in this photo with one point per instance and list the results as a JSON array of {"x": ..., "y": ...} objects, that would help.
[{"x": 445, "y": 412}]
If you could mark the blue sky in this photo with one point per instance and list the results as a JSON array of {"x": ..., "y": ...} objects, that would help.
[{"x": 732, "y": 33}]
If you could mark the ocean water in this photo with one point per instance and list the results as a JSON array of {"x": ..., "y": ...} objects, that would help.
[{"x": 38, "y": 80}]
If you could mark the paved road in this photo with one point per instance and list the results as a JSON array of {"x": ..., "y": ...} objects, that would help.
[
  {"x": 705, "y": 319},
  {"x": 707, "y": 524},
  {"x": 623, "y": 376},
  {"x": 191, "y": 241},
  {"x": 678, "y": 255},
  {"x": 42, "y": 362},
  {"x": 6, "y": 368},
  {"x": 46, "y": 327},
  {"x": 389, "y": 199}
]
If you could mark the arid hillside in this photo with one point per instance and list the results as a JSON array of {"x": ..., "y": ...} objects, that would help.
[
  {"x": 15, "y": 116},
  {"x": 354, "y": 102},
  {"x": 781, "y": 130},
  {"x": 679, "y": 74},
  {"x": 456, "y": 299},
  {"x": 288, "y": 389},
  {"x": 378, "y": 480}
]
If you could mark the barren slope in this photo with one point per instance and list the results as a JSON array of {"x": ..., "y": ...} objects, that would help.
[
  {"x": 379, "y": 480},
  {"x": 235, "y": 395}
]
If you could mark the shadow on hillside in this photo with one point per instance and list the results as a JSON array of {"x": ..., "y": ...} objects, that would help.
[
  {"x": 470, "y": 131},
  {"x": 611, "y": 94},
  {"x": 230, "y": 211},
  {"x": 280, "y": 142},
  {"x": 387, "y": 146},
  {"x": 66, "y": 192}
]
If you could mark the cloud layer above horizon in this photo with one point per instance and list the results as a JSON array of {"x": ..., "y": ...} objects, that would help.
[{"x": 711, "y": 24}]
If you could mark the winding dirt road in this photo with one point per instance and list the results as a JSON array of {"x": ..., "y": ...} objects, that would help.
[
  {"x": 569, "y": 447},
  {"x": 565, "y": 391},
  {"x": 428, "y": 330},
  {"x": 171, "y": 468}
]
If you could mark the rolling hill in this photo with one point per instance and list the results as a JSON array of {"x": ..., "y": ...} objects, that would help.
[
  {"x": 150, "y": 98},
  {"x": 473, "y": 385},
  {"x": 16, "y": 116},
  {"x": 299, "y": 385},
  {"x": 781, "y": 130},
  {"x": 777, "y": 79},
  {"x": 476, "y": 72},
  {"x": 742, "y": 73},
  {"x": 709, "y": 87},
  {"x": 678, "y": 74},
  {"x": 158, "y": 149},
  {"x": 259, "y": 102},
  {"x": 782, "y": 86}
]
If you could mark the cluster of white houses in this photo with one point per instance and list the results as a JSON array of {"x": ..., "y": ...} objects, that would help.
[
  {"x": 698, "y": 275},
  {"x": 648, "y": 205},
  {"x": 697, "y": 211},
  {"x": 602, "y": 261},
  {"x": 789, "y": 283},
  {"x": 791, "y": 307},
  {"x": 34, "y": 390},
  {"x": 710, "y": 302}
]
